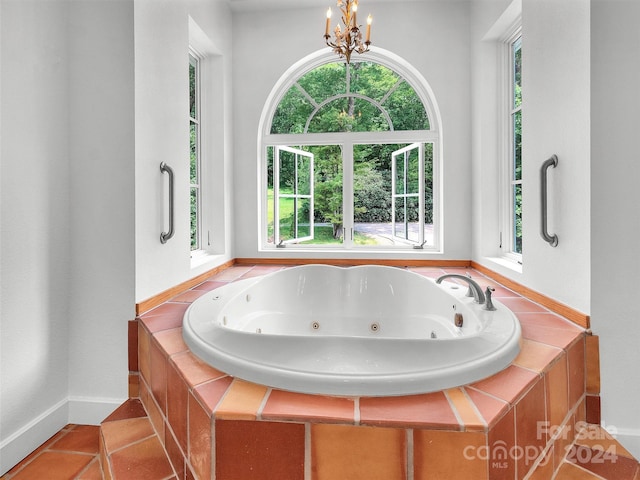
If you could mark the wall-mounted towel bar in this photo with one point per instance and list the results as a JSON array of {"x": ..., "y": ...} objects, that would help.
[
  {"x": 552, "y": 239},
  {"x": 164, "y": 168}
]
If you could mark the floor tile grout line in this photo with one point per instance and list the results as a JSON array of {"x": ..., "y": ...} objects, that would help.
[{"x": 109, "y": 453}]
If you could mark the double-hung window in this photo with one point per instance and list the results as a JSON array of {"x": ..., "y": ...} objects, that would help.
[
  {"x": 511, "y": 232},
  {"x": 516, "y": 142},
  {"x": 195, "y": 152}
]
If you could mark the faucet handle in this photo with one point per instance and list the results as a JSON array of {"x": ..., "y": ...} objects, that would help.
[{"x": 489, "y": 304}]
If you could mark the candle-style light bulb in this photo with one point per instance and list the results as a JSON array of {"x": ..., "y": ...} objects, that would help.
[
  {"x": 355, "y": 10},
  {"x": 328, "y": 26},
  {"x": 369, "y": 20}
]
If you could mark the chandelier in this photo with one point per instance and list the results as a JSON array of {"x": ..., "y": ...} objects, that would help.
[{"x": 344, "y": 43}]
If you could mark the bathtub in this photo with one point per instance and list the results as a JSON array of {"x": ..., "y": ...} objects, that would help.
[{"x": 357, "y": 331}]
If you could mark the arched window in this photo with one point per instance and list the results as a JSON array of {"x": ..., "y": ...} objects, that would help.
[{"x": 350, "y": 155}]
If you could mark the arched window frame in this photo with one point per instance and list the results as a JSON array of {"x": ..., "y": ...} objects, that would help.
[{"x": 347, "y": 139}]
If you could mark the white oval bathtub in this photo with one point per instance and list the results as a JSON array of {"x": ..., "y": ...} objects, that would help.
[{"x": 358, "y": 331}]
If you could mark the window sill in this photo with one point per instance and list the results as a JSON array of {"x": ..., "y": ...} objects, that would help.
[
  {"x": 202, "y": 257},
  {"x": 507, "y": 262}
]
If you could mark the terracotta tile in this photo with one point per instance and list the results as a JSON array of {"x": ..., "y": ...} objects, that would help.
[
  {"x": 176, "y": 456},
  {"x": 134, "y": 385},
  {"x": 568, "y": 471},
  {"x": 82, "y": 438},
  {"x": 501, "y": 441},
  {"x": 210, "y": 393},
  {"x": 557, "y": 392},
  {"x": 150, "y": 405},
  {"x": 593, "y": 363},
  {"x": 177, "y": 398},
  {"x": 466, "y": 410},
  {"x": 54, "y": 466},
  {"x": 131, "y": 408},
  {"x": 260, "y": 270},
  {"x": 509, "y": 384},
  {"x": 132, "y": 334},
  {"x": 536, "y": 356},
  {"x": 171, "y": 341},
  {"x": 491, "y": 408},
  {"x": 144, "y": 459},
  {"x": 144, "y": 347},
  {"x": 605, "y": 463},
  {"x": 165, "y": 309},
  {"x": 544, "y": 470},
  {"x": 158, "y": 369},
  {"x": 430, "y": 272},
  {"x": 597, "y": 438},
  {"x": 232, "y": 273},
  {"x": 358, "y": 453},
  {"x": 164, "y": 317},
  {"x": 577, "y": 374},
  {"x": 431, "y": 409},
  {"x": 593, "y": 409},
  {"x": 521, "y": 305},
  {"x": 247, "y": 450},
  {"x": 189, "y": 296},
  {"x": 289, "y": 406},
  {"x": 199, "y": 439},
  {"x": 209, "y": 285},
  {"x": 543, "y": 328},
  {"x": 92, "y": 472},
  {"x": 531, "y": 420},
  {"x": 242, "y": 401},
  {"x": 125, "y": 432},
  {"x": 439, "y": 453},
  {"x": 194, "y": 370},
  {"x": 548, "y": 320},
  {"x": 563, "y": 438}
]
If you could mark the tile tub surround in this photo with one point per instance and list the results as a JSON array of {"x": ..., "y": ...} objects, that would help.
[{"x": 211, "y": 423}]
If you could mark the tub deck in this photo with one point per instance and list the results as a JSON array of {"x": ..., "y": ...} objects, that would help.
[{"x": 198, "y": 410}]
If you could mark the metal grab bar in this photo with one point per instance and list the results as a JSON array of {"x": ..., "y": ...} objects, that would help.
[
  {"x": 552, "y": 239},
  {"x": 164, "y": 168}
]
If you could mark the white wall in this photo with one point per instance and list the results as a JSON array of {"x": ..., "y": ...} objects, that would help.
[
  {"x": 67, "y": 216},
  {"x": 101, "y": 234},
  {"x": 35, "y": 254},
  {"x": 615, "y": 170},
  {"x": 432, "y": 36},
  {"x": 161, "y": 124},
  {"x": 556, "y": 120}
]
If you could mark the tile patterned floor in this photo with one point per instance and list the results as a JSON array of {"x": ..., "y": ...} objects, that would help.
[{"x": 72, "y": 453}]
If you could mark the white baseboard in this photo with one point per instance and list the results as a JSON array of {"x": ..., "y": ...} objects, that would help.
[
  {"x": 630, "y": 439},
  {"x": 91, "y": 410},
  {"x": 22, "y": 442},
  {"x": 79, "y": 410}
]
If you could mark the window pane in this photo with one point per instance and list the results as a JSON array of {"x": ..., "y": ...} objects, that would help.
[
  {"x": 372, "y": 79},
  {"x": 292, "y": 113},
  {"x": 400, "y": 174},
  {"x": 517, "y": 72},
  {"x": 428, "y": 193},
  {"x": 303, "y": 175},
  {"x": 325, "y": 81},
  {"x": 348, "y": 114},
  {"x": 193, "y": 104},
  {"x": 194, "y": 219},
  {"x": 406, "y": 110},
  {"x": 193, "y": 154},
  {"x": 517, "y": 145},
  {"x": 327, "y": 194},
  {"x": 517, "y": 218}
]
